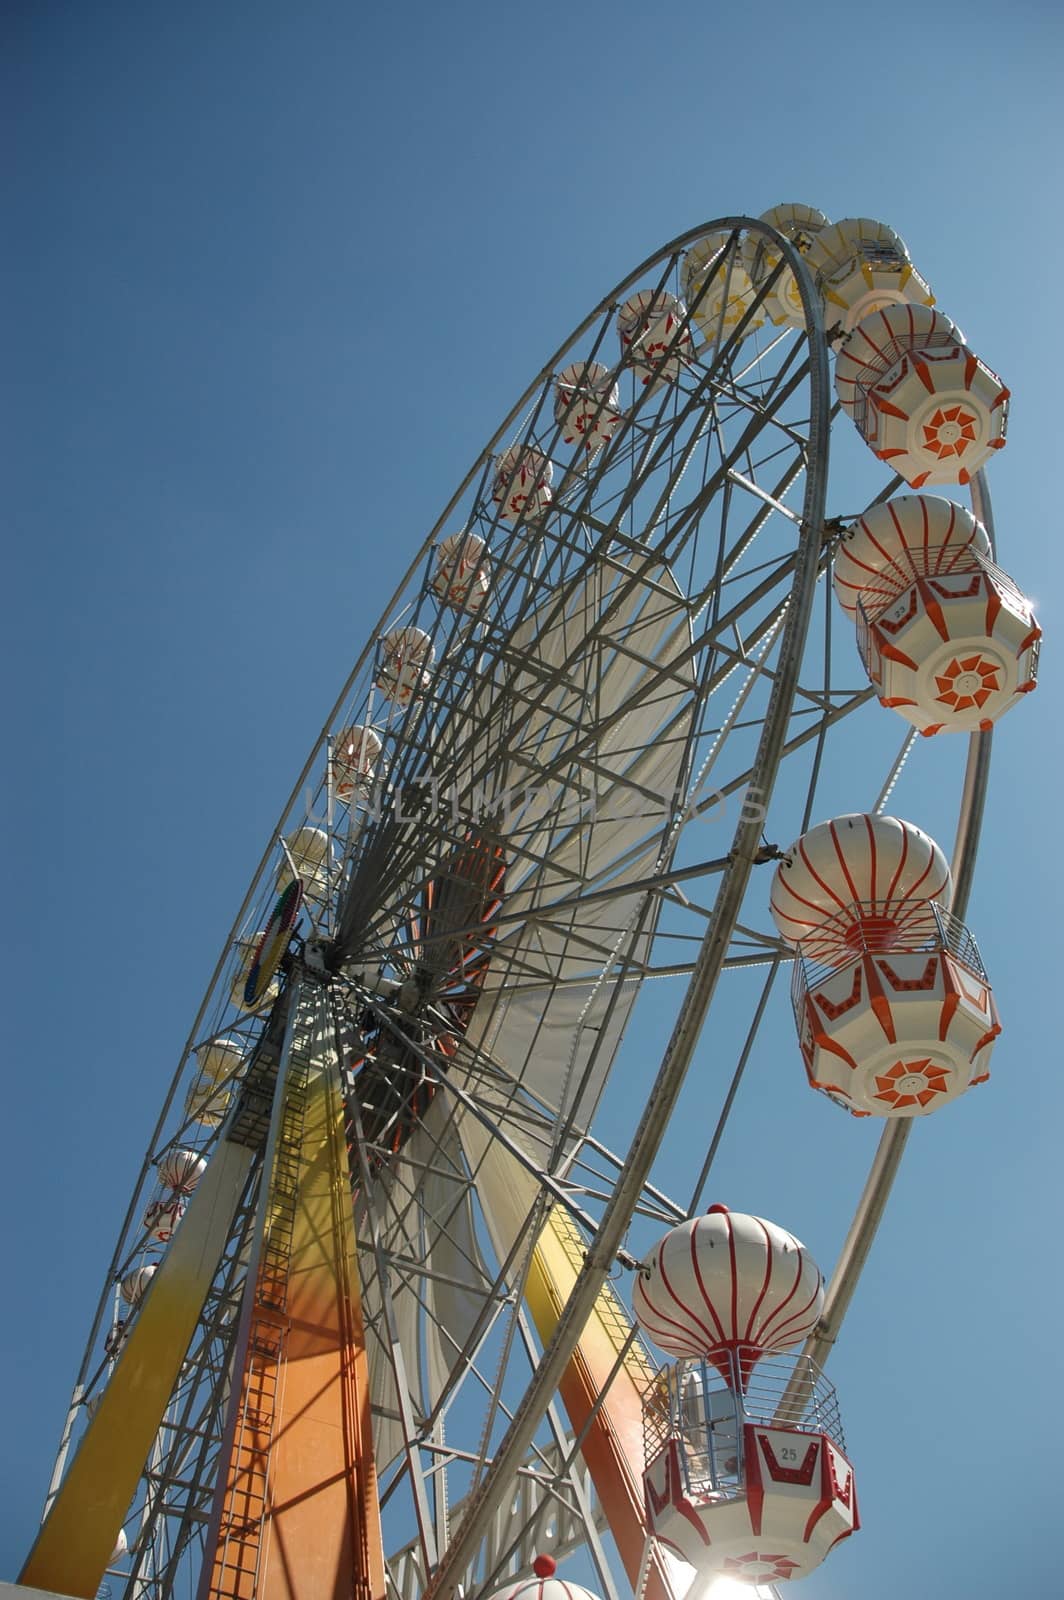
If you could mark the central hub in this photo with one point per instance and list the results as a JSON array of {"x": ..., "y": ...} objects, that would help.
[{"x": 968, "y": 683}]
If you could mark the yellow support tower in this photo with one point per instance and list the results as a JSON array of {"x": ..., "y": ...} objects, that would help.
[{"x": 77, "y": 1536}]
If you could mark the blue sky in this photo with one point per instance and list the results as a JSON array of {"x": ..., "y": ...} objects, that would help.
[{"x": 272, "y": 275}]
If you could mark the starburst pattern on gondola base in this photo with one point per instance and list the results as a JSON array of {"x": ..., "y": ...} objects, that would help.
[
  {"x": 950, "y": 431},
  {"x": 910, "y": 1083},
  {"x": 757, "y": 1568},
  {"x": 968, "y": 682}
]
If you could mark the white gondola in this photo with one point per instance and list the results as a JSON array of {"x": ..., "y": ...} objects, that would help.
[
  {"x": 463, "y": 573},
  {"x": 522, "y": 485},
  {"x": 801, "y": 225},
  {"x": 863, "y": 266},
  {"x": 207, "y": 1102},
  {"x": 586, "y": 405},
  {"x": 355, "y": 754},
  {"x": 220, "y": 1058},
  {"x": 654, "y": 335},
  {"x": 921, "y": 399},
  {"x": 310, "y": 852},
  {"x": 718, "y": 289},
  {"x": 181, "y": 1170},
  {"x": 947, "y": 639},
  {"x": 134, "y": 1286},
  {"x": 121, "y": 1548},
  {"x": 893, "y": 1006}
]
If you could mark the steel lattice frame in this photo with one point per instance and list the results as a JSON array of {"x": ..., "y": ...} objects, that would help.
[{"x": 704, "y": 523}]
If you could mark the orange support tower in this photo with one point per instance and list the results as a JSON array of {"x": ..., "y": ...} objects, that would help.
[{"x": 298, "y": 1514}]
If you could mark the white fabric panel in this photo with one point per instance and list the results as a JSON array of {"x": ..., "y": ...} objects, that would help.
[
  {"x": 426, "y": 1215},
  {"x": 512, "y": 714},
  {"x": 547, "y": 1040},
  {"x": 399, "y": 1222},
  {"x": 452, "y": 1251},
  {"x": 546, "y": 1009}
]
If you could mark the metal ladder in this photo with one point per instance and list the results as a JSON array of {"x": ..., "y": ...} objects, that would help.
[{"x": 240, "y": 1541}]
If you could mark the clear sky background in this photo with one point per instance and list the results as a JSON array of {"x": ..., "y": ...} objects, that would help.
[{"x": 272, "y": 274}]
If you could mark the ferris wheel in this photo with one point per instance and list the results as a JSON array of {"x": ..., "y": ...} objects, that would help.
[{"x": 388, "y": 1310}]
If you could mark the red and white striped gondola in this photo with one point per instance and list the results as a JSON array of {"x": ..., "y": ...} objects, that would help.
[
  {"x": 947, "y": 639},
  {"x": 181, "y": 1170},
  {"x": 543, "y": 1585},
  {"x": 652, "y": 327},
  {"x": 921, "y": 399},
  {"x": 402, "y": 673},
  {"x": 161, "y": 1219},
  {"x": 463, "y": 573},
  {"x": 746, "y": 1475},
  {"x": 586, "y": 405},
  {"x": 522, "y": 487},
  {"x": 355, "y": 754},
  {"x": 727, "y": 1282},
  {"x": 893, "y": 1005}
]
